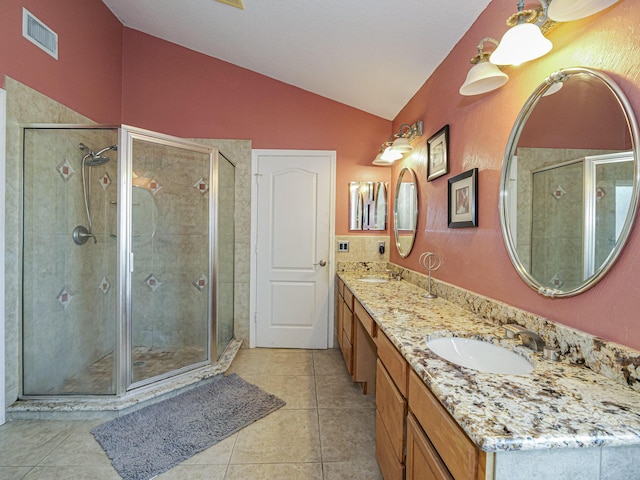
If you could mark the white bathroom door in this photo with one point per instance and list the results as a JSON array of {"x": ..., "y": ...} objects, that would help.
[{"x": 293, "y": 257}]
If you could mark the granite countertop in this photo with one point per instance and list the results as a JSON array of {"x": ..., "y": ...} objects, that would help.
[{"x": 558, "y": 405}]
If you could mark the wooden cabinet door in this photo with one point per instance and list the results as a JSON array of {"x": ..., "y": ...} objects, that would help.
[
  {"x": 340, "y": 321},
  {"x": 390, "y": 467},
  {"x": 423, "y": 462},
  {"x": 392, "y": 408}
]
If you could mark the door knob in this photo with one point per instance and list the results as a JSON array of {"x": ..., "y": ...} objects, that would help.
[{"x": 322, "y": 263}]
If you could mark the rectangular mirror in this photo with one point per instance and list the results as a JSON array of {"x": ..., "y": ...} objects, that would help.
[{"x": 367, "y": 206}]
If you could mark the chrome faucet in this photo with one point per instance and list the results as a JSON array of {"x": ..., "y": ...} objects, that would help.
[{"x": 529, "y": 338}]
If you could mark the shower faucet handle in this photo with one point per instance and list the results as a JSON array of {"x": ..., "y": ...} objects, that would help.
[{"x": 81, "y": 235}]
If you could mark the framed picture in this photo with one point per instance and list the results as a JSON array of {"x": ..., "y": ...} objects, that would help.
[
  {"x": 463, "y": 200},
  {"x": 438, "y": 154}
]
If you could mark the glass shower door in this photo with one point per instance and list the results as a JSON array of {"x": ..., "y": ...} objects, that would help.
[
  {"x": 68, "y": 292},
  {"x": 170, "y": 240},
  {"x": 225, "y": 260}
]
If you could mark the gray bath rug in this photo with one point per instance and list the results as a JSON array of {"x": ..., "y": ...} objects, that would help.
[{"x": 154, "y": 439}]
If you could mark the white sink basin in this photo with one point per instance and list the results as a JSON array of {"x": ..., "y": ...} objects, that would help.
[
  {"x": 373, "y": 280},
  {"x": 479, "y": 355}
]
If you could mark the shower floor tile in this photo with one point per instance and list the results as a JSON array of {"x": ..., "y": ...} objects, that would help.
[{"x": 147, "y": 362}]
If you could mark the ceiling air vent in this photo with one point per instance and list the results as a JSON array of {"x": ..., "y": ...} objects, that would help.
[{"x": 39, "y": 34}]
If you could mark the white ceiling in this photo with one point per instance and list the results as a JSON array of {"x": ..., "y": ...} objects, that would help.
[{"x": 370, "y": 54}]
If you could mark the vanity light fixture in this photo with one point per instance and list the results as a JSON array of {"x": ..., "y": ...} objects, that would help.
[
  {"x": 399, "y": 144},
  {"x": 406, "y": 134},
  {"x": 568, "y": 10},
  {"x": 524, "y": 41},
  {"x": 391, "y": 155},
  {"x": 484, "y": 76}
]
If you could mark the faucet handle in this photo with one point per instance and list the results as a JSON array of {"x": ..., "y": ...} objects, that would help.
[
  {"x": 512, "y": 330},
  {"x": 529, "y": 338}
]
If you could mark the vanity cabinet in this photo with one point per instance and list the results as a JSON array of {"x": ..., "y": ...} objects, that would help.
[
  {"x": 391, "y": 409},
  {"x": 436, "y": 445}
]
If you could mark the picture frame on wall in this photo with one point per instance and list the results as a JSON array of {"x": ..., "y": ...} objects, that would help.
[
  {"x": 463, "y": 200},
  {"x": 438, "y": 154}
]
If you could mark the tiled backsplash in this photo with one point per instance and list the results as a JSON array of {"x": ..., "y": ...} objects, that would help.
[
  {"x": 362, "y": 248},
  {"x": 614, "y": 361}
]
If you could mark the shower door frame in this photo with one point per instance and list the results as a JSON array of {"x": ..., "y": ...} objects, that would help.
[{"x": 126, "y": 135}]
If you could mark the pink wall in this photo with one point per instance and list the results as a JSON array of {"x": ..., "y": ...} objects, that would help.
[
  {"x": 475, "y": 258},
  {"x": 177, "y": 91},
  {"x": 174, "y": 90},
  {"x": 87, "y": 76}
]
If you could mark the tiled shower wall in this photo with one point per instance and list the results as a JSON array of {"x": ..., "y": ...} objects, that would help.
[{"x": 363, "y": 248}]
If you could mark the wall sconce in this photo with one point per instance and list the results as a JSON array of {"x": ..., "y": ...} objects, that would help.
[
  {"x": 399, "y": 144},
  {"x": 524, "y": 41},
  {"x": 568, "y": 10},
  {"x": 484, "y": 76}
]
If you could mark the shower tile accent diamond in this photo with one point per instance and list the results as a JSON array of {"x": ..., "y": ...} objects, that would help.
[
  {"x": 104, "y": 285},
  {"x": 200, "y": 283},
  {"x": 154, "y": 186},
  {"x": 105, "y": 181},
  {"x": 152, "y": 282},
  {"x": 201, "y": 185},
  {"x": 65, "y": 297},
  {"x": 65, "y": 170},
  {"x": 558, "y": 193}
]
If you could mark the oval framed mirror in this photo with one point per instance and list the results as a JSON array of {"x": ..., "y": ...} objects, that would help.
[
  {"x": 570, "y": 180},
  {"x": 405, "y": 211}
]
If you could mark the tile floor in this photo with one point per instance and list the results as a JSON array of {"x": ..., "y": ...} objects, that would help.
[{"x": 325, "y": 432}]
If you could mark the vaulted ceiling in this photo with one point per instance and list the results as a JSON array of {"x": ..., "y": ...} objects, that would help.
[{"x": 370, "y": 54}]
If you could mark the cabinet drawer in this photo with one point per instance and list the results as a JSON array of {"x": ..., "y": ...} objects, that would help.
[
  {"x": 366, "y": 320},
  {"x": 456, "y": 450},
  {"x": 348, "y": 298},
  {"x": 347, "y": 352},
  {"x": 340, "y": 288},
  {"x": 390, "y": 467},
  {"x": 423, "y": 462},
  {"x": 393, "y": 361},
  {"x": 392, "y": 409}
]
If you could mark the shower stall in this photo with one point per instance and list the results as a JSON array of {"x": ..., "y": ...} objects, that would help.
[{"x": 128, "y": 258}]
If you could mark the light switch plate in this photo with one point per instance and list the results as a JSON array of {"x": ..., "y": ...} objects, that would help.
[{"x": 343, "y": 246}]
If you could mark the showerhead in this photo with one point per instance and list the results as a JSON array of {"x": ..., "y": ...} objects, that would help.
[{"x": 96, "y": 159}]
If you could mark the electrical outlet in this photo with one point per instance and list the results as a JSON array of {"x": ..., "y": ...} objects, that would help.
[{"x": 343, "y": 246}]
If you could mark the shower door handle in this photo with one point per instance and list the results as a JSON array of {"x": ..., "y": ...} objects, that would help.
[{"x": 322, "y": 263}]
